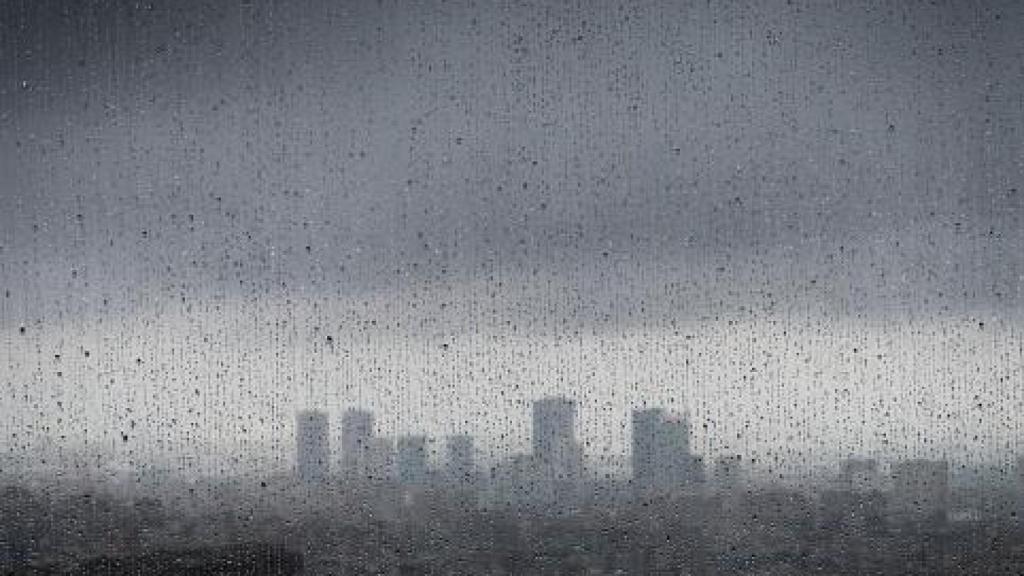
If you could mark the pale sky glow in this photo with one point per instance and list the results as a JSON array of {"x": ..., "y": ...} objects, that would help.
[
  {"x": 802, "y": 222},
  {"x": 777, "y": 388}
]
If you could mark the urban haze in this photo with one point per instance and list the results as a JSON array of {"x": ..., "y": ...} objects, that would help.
[{"x": 463, "y": 287}]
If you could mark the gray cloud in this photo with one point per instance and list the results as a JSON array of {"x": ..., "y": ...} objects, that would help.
[{"x": 873, "y": 148}]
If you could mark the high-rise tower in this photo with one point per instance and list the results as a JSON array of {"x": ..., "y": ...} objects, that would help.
[
  {"x": 460, "y": 466},
  {"x": 312, "y": 457},
  {"x": 661, "y": 451},
  {"x": 412, "y": 459},
  {"x": 555, "y": 448},
  {"x": 357, "y": 430}
]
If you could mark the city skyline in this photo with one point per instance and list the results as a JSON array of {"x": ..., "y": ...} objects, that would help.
[
  {"x": 525, "y": 287},
  {"x": 660, "y": 457},
  {"x": 804, "y": 234},
  {"x": 857, "y": 372}
]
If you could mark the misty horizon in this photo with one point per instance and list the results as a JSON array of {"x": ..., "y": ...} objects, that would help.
[{"x": 799, "y": 224}]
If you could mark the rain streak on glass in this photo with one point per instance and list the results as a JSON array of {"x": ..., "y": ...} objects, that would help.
[{"x": 539, "y": 287}]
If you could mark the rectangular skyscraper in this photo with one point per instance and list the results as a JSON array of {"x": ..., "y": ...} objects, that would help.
[
  {"x": 645, "y": 433},
  {"x": 380, "y": 460},
  {"x": 859, "y": 475},
  {"x": 554, "y": 438},
  {"x": 312, "y": 446},
  {"x": 661, "y": 451},
  {"x": 460, "y": 464},
  {"x": 357, "y": 430},
  {"x": 412, "y": 459},
  {"x": 921, "y": 489}
]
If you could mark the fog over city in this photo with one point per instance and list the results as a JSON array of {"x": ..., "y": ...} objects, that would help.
[
  {"x": 795, "y": 226},
  {"x": 803, "y": 233}
]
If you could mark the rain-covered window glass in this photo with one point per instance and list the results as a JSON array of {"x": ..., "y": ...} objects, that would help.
[{"x": 539, "y": 287}]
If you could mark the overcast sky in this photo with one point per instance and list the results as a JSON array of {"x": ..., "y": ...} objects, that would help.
[{"x": 800, "y": 221}]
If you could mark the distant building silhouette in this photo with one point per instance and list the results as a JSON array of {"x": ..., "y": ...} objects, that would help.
[
  {"x": 728, "y": 472},
  {"x": 662, "y": 460},
  {"x": 921, "y": 489},
  {"x": 646, "y": 425},
  {"x": 412, "y": 459},
  {"x": 859, "y": 475},
  {"x": 460, "y": 466},
  {"x": 513, "y": 481},
  {"x": 380, "y": 460},
  {"x": 855, "y": 502},
  {"x": 557, "y": 454},
  {"x": 862, "y": 511},
  {"x": 312, "y": 446},
  {"x": 357, "y": 431}
]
